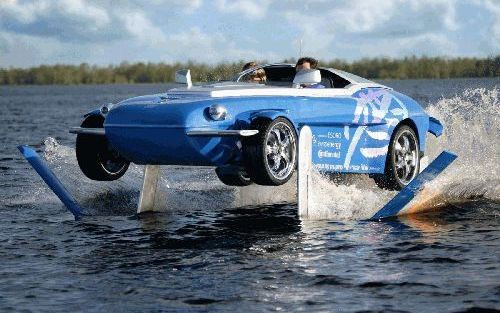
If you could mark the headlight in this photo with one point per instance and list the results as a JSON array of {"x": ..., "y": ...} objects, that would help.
[
  {"x": 217, "y": 112},
  {"x": 105, "y": 108}
]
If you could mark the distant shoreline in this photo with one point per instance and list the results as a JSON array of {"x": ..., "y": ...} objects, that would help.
[
  {"x": 173, "y": 84},
  {"x": 133, "y": 73}
]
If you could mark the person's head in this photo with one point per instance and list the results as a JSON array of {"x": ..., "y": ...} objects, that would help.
[
  {"x": 248, "y": 65},
  {"x": 306, "y": 63},
  {"x": 257, "y": 76}
]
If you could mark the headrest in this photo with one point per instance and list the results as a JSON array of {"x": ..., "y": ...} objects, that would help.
[{"x": 307, "y": 77}]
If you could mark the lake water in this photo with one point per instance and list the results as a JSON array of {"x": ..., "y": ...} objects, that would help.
[{"x": 213, "y": 249}]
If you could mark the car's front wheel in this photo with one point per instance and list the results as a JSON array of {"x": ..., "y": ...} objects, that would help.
[
  {"x": 97, "y": 160},
  {"x": 403, "y": 160},
  {"x": 270, "y": 156}
]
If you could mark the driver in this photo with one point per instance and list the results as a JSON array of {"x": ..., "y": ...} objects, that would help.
[{"x": 307, "y": 63}]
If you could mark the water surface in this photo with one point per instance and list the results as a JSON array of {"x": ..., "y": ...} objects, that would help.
[{"x": 206, "y": 254}]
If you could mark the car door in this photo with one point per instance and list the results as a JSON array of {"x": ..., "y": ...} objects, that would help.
[{"x": 351, "y": 133}]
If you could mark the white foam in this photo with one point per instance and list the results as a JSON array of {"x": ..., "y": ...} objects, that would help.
[
  {"x": 472, "y": 130},
  {"x": 180, "y": 188},
  {"x": 471, "y": 122}
]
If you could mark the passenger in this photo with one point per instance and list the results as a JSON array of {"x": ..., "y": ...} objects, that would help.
[
  {"x": 257, "y": 76},
  {"x": 307, "y": 63},
  {"x": 248, "y": 65}
]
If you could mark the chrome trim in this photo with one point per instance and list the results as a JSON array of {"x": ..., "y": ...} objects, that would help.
[
  {"x": 280, "y": 150},
  {"x": 222, "y": 133},
  {"x": 87, "y": 131}
]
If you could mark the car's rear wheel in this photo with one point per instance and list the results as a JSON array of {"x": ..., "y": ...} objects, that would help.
[
  {"x": 403, "y": 160},
  {"x": 233, "y": 176},
  {"x": 270, "y": 157},
  {"x": 97, "y": 160}
]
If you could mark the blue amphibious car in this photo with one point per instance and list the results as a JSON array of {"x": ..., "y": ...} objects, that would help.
[{"x": 248, "y": 131}]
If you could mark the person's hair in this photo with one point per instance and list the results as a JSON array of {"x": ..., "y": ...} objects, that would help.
[
  {"x": 260, "y": 73},
  {"x": 248, "y": 65},
  {"x": 312, "y": 61}
]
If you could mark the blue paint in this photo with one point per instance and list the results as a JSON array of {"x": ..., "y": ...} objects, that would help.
[
  {"x": 152, "y": 129},
  {"x": 393, "y": 207},
  {"x": 269, "y": 114},
  {"x": 149, "y": 130},
  {"x": 51, "y": 180},
  {"x": 435, "y": 126},
  {"x": 330, "y": 149}
]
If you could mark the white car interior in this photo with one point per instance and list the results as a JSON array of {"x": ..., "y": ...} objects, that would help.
[{"x": 306, "y": 77}]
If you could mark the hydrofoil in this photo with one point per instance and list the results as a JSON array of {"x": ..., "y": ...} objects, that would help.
[{"x": 401, "y": 203}]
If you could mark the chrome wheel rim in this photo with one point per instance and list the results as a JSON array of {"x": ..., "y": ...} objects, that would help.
[
  {"x": 406, "y": 157},
  {"x": 280, "y": 150}
]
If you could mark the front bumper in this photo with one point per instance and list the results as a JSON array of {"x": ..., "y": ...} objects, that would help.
[{"x": 165, "y": 145}]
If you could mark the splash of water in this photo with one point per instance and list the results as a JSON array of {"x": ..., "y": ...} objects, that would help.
[
  {"x": 180, "y": 188},
  {"x": 472, "y": 131}
]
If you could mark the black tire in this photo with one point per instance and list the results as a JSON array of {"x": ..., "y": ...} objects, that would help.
[
  {"x": 95, "y": 158},
  {"x": 400, "y": 161},
  {"x": 260, "y": 164},
  {"x": 233, "y": 176}
]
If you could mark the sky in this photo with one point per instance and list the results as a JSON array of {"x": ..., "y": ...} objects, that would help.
[{"x": 106, "y": 32}]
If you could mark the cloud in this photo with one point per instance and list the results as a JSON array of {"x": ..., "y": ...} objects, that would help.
[
  {"x": 382, "y": 18},
  {"x": 137, "y": 24},
  {"x": 252, "y": 9},
  {"x": 494, "y": 7},
  {"x": 102, "y": 32},
  {"x": 74, "y": 20},
  {"x": 382, "y": 23},
  {"x": 187, "y": 6},
  {"x": 86, "y": 21},
  {"x": 196, "y": 45}
]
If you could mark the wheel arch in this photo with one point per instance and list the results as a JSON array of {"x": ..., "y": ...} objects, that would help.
[
  {"x": 271, "y": 115},
  {"x": 413, "y": 125},
  {"x": 92, "y": 121}
]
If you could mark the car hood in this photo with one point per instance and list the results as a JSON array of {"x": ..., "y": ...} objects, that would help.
[
  {"x": 194, "y": 93},
  {"x": 239, "y": 89}
]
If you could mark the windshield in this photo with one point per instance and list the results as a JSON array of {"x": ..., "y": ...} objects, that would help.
[
  {"x": 276, "y": 75},
  {"x": 351, "y": 77},
  {"x": 283, "y": 74}
]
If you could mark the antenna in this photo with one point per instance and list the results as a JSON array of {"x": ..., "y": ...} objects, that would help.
[{"x": 300, "y": 48}]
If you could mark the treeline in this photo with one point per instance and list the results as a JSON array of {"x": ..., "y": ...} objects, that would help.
[
  {"x": 377, "y": 68},
  {"x": 424, "y": 67}
]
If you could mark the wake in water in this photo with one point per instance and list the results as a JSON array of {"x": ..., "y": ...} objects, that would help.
[
  {"x": 472, "y": 130},
  {"x": 179, "y": 188}
]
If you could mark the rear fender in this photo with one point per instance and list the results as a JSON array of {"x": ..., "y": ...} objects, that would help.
[{"x": 435, "y": 126}]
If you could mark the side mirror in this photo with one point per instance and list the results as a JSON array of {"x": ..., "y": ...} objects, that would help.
[
  {"x": 307, "y": 77},
  {"x": 183, "y": 77}
]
